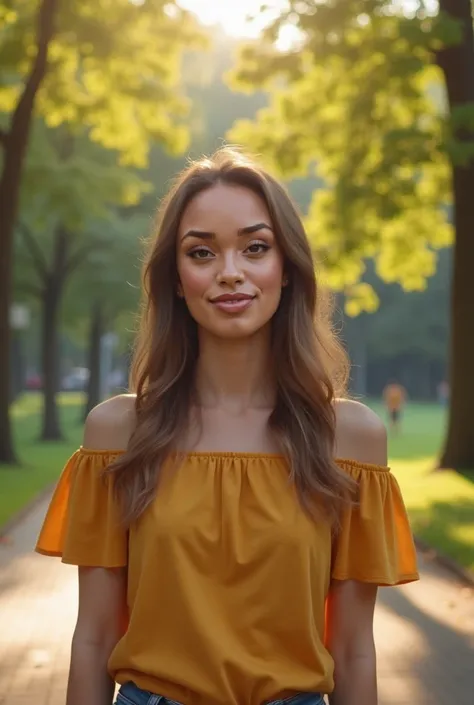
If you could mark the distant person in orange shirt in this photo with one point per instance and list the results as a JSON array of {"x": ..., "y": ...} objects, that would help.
[{"x": 394, "y": 396}]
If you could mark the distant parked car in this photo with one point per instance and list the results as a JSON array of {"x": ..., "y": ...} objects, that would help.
[
  {"x": 76, "y": 380},
  {"x": 34, "y": 382}
]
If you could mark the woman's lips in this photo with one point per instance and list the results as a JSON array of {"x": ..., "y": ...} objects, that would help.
[{"x": 233, "y": 305}]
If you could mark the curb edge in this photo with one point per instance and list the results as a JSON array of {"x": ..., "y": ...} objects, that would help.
[{"x": 465, "y": 575}]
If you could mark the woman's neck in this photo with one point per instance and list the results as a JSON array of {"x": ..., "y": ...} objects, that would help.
[{"x": 235, "y": 375}]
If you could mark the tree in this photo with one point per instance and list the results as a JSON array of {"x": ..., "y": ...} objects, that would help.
[
  {"x": 113, "y": 71},
  {"x": 457, "y": 64},
  {"x": 106, "y": 293},
  {"x": 14, "y": 143},
  {"x": 70, "y": 193},
  {"x": 360, "y": 94}
]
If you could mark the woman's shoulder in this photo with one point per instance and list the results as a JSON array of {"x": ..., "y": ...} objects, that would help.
[
  {"x": 360, "y": 433},
  {"x": 110, "y": 424}
]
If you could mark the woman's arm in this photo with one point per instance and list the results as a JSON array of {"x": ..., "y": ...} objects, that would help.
[
  {"x": 100, "y": 624},
  {"x": 361, "y": 436},
  {"x": 349, "y": 638},
  {"x": 102, "y": 616}
]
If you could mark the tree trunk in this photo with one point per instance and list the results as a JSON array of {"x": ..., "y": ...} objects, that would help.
[
  {"x": 14, "y": 144},
  {"x": 457, "y": 63},
  {"x": 51, "y": 430},
  {"x": 458, "y": 450},
  {"x": 18, "y": 373},
  {"x": 52, "y": 298},
  {"x": 95, "y": 338}
]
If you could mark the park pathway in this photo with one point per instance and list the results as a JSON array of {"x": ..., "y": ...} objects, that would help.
[{"x": 424, "y": 631}]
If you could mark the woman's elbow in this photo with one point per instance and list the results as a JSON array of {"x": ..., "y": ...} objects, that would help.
[
  {"x": 354, "y": 651},
  {"x": 100, "y": 640}
]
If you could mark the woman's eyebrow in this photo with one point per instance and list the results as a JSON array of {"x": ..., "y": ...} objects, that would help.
[
  {"x": 207, "y": 235},
  {"x": 203, "y": 234},
  {"x": 254, "y": 228}
]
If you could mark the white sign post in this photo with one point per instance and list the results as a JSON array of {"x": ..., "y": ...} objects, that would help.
[{"x": 19, "y": 317}]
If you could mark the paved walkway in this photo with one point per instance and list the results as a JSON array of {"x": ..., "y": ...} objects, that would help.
[{"x": 424, "y": 631}]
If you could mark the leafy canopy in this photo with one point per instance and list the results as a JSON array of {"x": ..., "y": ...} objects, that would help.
[
  {"x": 114, "y": 66},
  {"x": 358, "y": 95}
]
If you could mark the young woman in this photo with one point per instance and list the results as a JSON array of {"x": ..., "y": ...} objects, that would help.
[{"x": 233, "y": 519}]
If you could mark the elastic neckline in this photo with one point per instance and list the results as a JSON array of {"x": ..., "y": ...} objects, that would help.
[
  {"x": 190, "y": 453},
  {"x": 236, "y": 454}
]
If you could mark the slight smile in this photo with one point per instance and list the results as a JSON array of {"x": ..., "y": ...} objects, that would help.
[{"x": 233, "y": 303}]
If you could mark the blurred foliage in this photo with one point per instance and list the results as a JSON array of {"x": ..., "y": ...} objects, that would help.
[
  {"x": 108, "y": 210},
  {"x": 113, "y": 70},
  {"x": 71, "y": 180},
  {"x": 112, "y": 91},
  {"x": 72, "y": 184},
  {"x": 110, "y": 277},
  {"x": 415, "y": 322},
  {"x": 358, "y": 94}
]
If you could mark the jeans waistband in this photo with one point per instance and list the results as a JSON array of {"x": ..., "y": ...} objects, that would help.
[{"x": 131, "y": 694}]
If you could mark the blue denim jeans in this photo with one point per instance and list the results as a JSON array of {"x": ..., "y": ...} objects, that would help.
[{"x": 130, "y": 694}]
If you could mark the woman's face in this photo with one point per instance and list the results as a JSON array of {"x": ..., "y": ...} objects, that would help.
[{"x": 230, "y": 266}]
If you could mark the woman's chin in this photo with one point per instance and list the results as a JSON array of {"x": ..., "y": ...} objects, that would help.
[{"x": 234, "y": 329}]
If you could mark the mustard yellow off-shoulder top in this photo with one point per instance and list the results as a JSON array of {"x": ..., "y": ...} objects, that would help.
[{"x": 227, "y": 575}]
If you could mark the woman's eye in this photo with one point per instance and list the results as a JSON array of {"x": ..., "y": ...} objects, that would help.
[
  {"x": 200, "y": 253},
  {"x": 257, "y": 248}
]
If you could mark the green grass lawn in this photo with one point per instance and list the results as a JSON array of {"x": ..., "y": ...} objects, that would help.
[
  {"x": 440, "y": 504},
  {"x": 41, "y": 463}
]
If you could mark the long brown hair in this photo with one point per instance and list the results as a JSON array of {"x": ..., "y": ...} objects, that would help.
[{"x": 311, "y": 367}]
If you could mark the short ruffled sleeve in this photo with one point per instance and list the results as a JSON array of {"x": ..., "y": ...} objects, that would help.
[
  {"x": 82, "y": 524},
  {"x": 375, "y": 542}
]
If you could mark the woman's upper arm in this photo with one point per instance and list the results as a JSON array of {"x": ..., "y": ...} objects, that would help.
[
  {"x": 349, "y": 618},
  {"x": 102, "y": 611},
  {"x": 360, "y": 436}
]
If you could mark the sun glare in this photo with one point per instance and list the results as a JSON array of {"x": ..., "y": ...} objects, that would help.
[{"x": 233, "y": 16}]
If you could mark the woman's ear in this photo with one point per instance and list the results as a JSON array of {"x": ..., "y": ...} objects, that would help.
[
  {"x": 284, "y": 281},
  {"x": 179, "y": 291}
]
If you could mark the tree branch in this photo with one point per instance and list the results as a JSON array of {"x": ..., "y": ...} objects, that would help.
[
  {"x": 16, "y": 143},
  {"x": 45, "y": 32},
  {"x": 78, "y": 257},
  {"x": 34, "y": 250}
]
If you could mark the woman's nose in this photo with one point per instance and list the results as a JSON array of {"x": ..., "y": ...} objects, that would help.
[{"x": 230, "y": 273}]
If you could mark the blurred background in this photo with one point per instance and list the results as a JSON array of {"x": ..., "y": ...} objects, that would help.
[{"x": 365, "y": 109}]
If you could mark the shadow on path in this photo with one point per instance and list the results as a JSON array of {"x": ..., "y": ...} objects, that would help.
[{"x": 425, "y": 642}]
